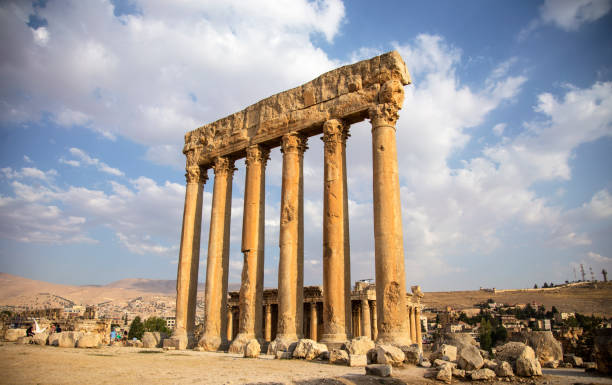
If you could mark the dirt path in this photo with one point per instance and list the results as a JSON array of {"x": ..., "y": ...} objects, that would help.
[{"x": 33, "y": 364}]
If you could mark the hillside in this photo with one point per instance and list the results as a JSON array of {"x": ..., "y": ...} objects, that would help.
[{"x": 586, "y": 299}]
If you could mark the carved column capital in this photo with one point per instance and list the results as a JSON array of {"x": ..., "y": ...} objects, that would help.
[
  {"x": 294, "y": 142},
  {"x": 223, "y": 165},
  {"x": 385, "y": 114},
  {"x": 196, "y": 174},
  {"x": 335, "y": 131},
  {"x": 257, "y": 154}
]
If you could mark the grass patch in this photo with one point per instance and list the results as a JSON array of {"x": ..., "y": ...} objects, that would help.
[{"x": 149, "y": 351}]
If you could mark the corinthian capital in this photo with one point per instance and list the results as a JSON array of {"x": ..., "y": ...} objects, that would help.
[
  {"x": 294, "y": 142},
  {"x": 257, "y": 154},
  {"x": 196, "y": 174},
  {"x": 223, "y": 165},
  {"x": 335, "y": 131},
  {"x": 385, "y": 114}
]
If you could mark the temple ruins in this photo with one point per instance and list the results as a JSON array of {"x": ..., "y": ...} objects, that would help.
[{"x": 370, "y": 89}]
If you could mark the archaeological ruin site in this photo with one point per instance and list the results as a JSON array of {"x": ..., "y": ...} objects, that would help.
[{"x": 371, "y": 89}]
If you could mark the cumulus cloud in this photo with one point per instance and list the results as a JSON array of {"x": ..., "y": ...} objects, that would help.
[
  {"x": 85, "y": 159},
  {"x": 148, "y": 76}
]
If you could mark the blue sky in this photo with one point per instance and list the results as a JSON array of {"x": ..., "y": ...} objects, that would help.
[{"x": 505, "y": 138}]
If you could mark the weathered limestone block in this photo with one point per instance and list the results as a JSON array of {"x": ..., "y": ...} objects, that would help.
[
  {"x": 504, "y": 369},
  {"x": 23, "y": 340},
  {"x": 546, "y": 347},
  {"x": 11, "y": 335},
  {"x": 439, "y": 363},
  {"x": 68, "y": 339},
  {"x": 380, "y": 370},
  {"x": 283, "y": 355},
  {"x": 490, "y": 364},
  {"x": 458, "y": 373},
  {"x": 359, "y": 345},
  {"x": 412, "y": 354},
  {"x": 521, "y": 357},
  {"x": 445, "y": 374},
  {"x": 40, "y": 338},
  {"x": 54, "y": 339},
  {"x": 528, "y": 367},
  {"x": 602, "y": 350},
  {"x": 252, "y": 349},
  {"x": 469, "y": 358},
  {"x": 483, "y": 374},
  {"x": 152, "y": 339},
  {"x": 455, "y": 339},
  {"x": 425, "y": 363},
  {"x": 89, "y": 340},
  {"x": 446, "y": 353},
  {"x": 133, "y": 343},
  {"x": 338, "y": 357},
  {"x": 574, "y": 360},
  {"x": 388, "y": 354},
  {"x": 358, "y": 360}
]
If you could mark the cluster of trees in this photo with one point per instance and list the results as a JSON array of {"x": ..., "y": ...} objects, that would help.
[
  {"x": 546, "y": 285},
  {"x": 151, "y": 324},
  {"x": 492, "y": 331},
  {"x": 587, "y": 323}
]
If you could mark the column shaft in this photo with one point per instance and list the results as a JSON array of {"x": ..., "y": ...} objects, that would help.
[
  {"x": 268, "y": 332},
  {"x": 290, "y": 269},
  {"x": 335, "y": 235},
  {"x": 388, "y": 236},
  {"x": 419, "y": 334},
  {"x": 374, "y": 321},
  {"x": 215, "y": 303},
  {"x": 314, "y": 321},
  {"x": 412, "y": 324},
  {"x": 366, "y": 329},
  {"x": 230, "y": 323},
  {"x": 251, "y": 288},
  {"x": 189, "y": 257}
]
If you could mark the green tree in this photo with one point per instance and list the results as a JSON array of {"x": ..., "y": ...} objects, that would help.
[
  {"x": 156, "y": 324},
  {"x": 535, "y": 286},
  {"x": 500, "y": 335},
  {"x": 486, "y": 331},
  {"x": 136, "y": 329}
]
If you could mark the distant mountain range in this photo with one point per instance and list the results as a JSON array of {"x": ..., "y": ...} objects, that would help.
[{"x": 19, "y": 291}]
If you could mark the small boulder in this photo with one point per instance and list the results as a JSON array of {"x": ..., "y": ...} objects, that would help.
[
  {"x": 371, "y": 356},
  {"x": 440, "y": 363},
  {"x": 483, "y": 374},
  {"x": 388, "y": 354},
  {"x": 68, "y": 339},
  {"x": 574, "y": 360},
  {"x": 490, "y": 364},
  {"x": 252, "y": 349},
  {"x": 425, "y": 363},
  {"x": 358, "y": 360},
  {"x": 89, "y": 340},
  {"x": 446, "y": 352},
  {"x": 283, "y": 355},
  {"x": 504, "y": 369},
  {"x": 24, "y": 340},
  {"x": 40, "y": 338},
  {"x": 152, "y": 340},
  {"x": 458, "y": 373},
  {"x": 551, "y": 364},
  {"x": 359, "y": 345},
  {"x": 380, "y": 370},
  {"x": 528, "y": 367},
  {"x": 469, "y": 358},
  {"x": 308, "y": 349},
  {"x": 445, "y": 374},
  {"x": 338, "y": 357},
  {"x": 11, "y": 335},
  {"x": 412, "y": 354},
  {"x": 133, "y": 343}
]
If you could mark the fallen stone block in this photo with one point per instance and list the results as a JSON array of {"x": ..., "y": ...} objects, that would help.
[
  {"x": 11, "y": 335},
  {"x": 252, "y": 349},
  {"x": 338, "y": 357},
  {"x": 388, "y": 354},
  {"x": 380, "y": 370},
  {"x": 358, "y": 360},
  {"x": 445, "y": 374},
  {"x": 483, "y": 374}
]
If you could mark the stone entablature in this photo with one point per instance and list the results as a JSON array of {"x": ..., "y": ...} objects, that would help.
[{"x": 345, "y": 93}]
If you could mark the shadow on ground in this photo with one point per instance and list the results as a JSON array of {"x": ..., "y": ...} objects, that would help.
[{"x": 349, "y": 379}]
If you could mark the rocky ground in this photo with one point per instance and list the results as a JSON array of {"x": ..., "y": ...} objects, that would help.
[{"x": 33, "y": 364}]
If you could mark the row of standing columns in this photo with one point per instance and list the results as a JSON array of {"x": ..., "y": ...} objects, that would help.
[{"x": 392, "y": 321}]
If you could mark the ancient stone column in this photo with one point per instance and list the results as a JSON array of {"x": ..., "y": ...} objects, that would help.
[
  {"x": 253, "y": 217},
  {"x": 230, "y": 323},
  {"x": 412, "y": 323},
  {"x": 268, "y": 332},
  {"x": 347, "y": 247},
  {"x": 374, "y": 320},
  {"x": 419, "y": 334},
  {"x": 291, "y": 242},
  {"x": 215, "y": 300},
  {"x": 314, "y": 321},
  {"x": 189, "y": 257},
  {"x": 388, "y": 236},
  {"x": 366, "y": 329},
  {"x": 335, "y": 235}
]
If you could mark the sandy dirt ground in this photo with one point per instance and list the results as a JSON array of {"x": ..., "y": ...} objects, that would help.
[{"x": 33, "y": 364}]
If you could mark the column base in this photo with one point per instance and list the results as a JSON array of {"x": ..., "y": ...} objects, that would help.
[
  {"x": 241, "y": 340},
  {"x": 283, "y": 343},
  {"x": 180, "y": 340},
  {"x": 334, "y": 341},
  {"x": 209, "y": 343},
  {"x": 394, "y": 338}
]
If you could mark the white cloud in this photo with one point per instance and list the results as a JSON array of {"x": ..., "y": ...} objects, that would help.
[
  {"x": 571, "y": 14},
  {"x": 599, "y": 257},
  {"x": 88, "y": 160},
  {"x": 29, "y": 172},
  {"x": 147, "y": 77},
  {"x": 499, "y": 128},
  {"x": 27, "y": 159}
]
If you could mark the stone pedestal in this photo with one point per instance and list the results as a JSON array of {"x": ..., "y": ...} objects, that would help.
[
  {"x": 189, "y": 258},
  {"x": 214, "y": 335},
  {"x": 335, "y": 234},
  {"x": 388, "y": 236},
  {"x": 253, "y": 224},
  {"x": 366, "y": 329},
  {"x": 291, "y": 242}
]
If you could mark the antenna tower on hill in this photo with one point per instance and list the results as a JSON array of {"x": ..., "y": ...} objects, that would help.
[{"x": 582, "y": 271}]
